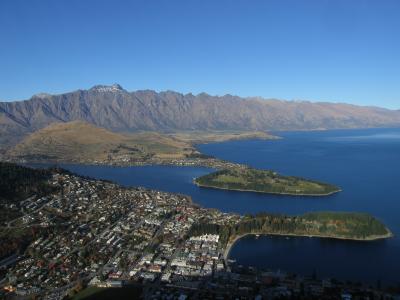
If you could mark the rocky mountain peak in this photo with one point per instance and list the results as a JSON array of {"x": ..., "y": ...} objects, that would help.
[
  {"x": 41, "y": 95},
  {"x": 108, "y": 88}
]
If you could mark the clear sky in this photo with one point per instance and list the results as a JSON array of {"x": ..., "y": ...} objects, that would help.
[{"x": 319, "y": 50}]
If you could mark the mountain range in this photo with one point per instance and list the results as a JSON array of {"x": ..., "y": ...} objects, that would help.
[{"x": 117, "y": 110}]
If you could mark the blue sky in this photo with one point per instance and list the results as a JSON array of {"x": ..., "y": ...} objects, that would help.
[{"x": 319, "y": 50}]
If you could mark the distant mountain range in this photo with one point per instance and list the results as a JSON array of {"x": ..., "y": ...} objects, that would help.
[{"x": 118, "y": 110}]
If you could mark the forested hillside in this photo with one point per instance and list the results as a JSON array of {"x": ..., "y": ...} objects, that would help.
[
  {"x": 342, "y": 225},
  {"x": 18, "y": 183}
]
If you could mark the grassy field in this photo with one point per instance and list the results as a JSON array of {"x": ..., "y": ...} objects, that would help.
[{"x": 264, "y": 181}]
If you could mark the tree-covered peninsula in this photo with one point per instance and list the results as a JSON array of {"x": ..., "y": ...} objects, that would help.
[
  {"x": 338, "y": 225},
  {"x": 263, "y": 181}
]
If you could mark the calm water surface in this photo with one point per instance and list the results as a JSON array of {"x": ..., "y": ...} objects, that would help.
[{"x": 364, "y": 163}]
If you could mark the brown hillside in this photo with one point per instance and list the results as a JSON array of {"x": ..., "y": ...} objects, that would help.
[{"x": 79, "y": 141}]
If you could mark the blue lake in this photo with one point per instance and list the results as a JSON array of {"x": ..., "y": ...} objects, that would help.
[{"x": 364, "y": 163}]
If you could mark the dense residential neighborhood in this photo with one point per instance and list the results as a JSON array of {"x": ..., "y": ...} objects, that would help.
[{"x": 98, "y": 232}]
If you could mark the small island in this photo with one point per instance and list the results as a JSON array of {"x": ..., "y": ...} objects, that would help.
[{"x": 264, "y": 181}]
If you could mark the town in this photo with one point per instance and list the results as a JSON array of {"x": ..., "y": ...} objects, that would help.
[
  {"x": 126, "y": 161},
  {"x": 96, "y": 234}
]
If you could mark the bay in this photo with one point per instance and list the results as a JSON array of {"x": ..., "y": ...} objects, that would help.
[{"x": 364, "y": 163}]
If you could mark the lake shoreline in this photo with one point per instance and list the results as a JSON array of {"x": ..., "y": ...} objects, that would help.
[
  {"x": 262, "y": 192},
  {"x": 230, "y": 244}
]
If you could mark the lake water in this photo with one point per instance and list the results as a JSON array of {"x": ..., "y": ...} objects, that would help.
[{"x": 364, "y": 163}]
